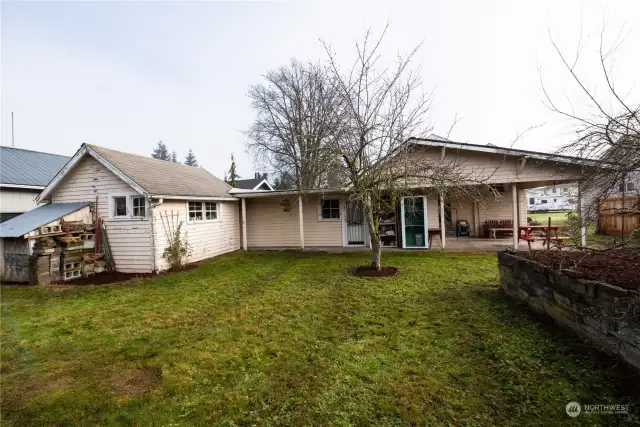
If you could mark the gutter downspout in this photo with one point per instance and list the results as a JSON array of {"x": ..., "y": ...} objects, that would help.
[{"x": 153, "y": 232}]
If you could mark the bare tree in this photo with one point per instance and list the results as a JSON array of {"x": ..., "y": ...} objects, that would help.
[
  {"x": 607, "y": 127},
  {"x": 297, "y": 118},
  {"x": 386, "y": 110}
]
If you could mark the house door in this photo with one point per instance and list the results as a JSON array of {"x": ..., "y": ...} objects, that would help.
[
  {"x": 414, "y": 222},
  {"x": 355, "y": 226}
]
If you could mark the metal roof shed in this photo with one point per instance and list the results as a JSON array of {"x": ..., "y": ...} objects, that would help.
[{"x": 36, "y": 218}]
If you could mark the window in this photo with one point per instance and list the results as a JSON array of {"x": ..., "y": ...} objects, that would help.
[
  {"x": 565, "y": 190},
  {"x": 628, "y": 187},
  {"x": 139, "y": 207},
  {"x": 330, "y": 209},
  {"x": 119, "y": 206},
  {"x": 195, "y": 211},
  {"x": 210, "y": 210},
  {"x": 532, "y": 201},
  {"x": 555, "y": 200},
  {"x": 543, "y": 201}
]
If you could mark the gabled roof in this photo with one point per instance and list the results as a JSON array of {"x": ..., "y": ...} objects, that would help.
[
  {"x": 19, "y": 167},
  {"x": 31, "y": 220},
  {"x": 252, "y": 184},
  {"x": 149, "y": 176},
  {"x": 438, "y": 141}
]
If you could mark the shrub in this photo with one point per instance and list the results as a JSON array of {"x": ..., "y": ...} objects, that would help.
[{"x": 177, "y": 250}]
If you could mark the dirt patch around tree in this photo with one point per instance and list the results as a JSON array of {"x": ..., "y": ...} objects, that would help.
[
  {"x": 619, "y": 267},
  {"x": 371, "y": 271}
]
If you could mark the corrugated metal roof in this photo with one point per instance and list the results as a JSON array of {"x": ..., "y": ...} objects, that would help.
[
  {"x": 26, "y": 167},
  {"x": 29, "y": 221},
  {"x": 159, "y": 177}
]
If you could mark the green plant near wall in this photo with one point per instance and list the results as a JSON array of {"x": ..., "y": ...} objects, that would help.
[{"x": 177, "y": 250}]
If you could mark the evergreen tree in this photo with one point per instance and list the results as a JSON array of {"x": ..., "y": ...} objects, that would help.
[
  {"x": 190, "y": 160},
  {"x": 161, "y": 152},
  {"x": 233, "y": 175},
  {"x": 174, "y": 157}
]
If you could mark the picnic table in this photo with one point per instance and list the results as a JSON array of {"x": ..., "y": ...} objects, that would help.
[
  {"x": 494, "y": 230},
  {"x": 525, "y": 232}
]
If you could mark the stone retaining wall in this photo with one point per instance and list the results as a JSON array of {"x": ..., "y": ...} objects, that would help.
[{"x": 606, "y": 315}]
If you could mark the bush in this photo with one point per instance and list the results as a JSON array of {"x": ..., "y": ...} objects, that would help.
[{"x": 177, "y": 250}]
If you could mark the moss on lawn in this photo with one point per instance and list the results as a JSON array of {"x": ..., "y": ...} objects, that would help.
[{"x": 292, "y": 339}]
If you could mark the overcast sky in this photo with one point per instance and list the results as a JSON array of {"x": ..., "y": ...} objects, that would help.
[{"x": 125, "y": 75}]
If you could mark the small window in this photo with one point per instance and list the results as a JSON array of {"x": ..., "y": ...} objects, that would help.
[
  {"x": 330, "y": 209},
  {"x": 119, "y": 207},
  {"x": 532, "y": 201},
  {"x": 554, "y": 190},
  {"x": 555, "y": 200},
  {"x": 139, "y": 207},
  {"x": 543, "y": 201},
  {"x": 630, "y": 186},
  {"x": 195, "y": 211},
  {"x": 211, "y": 210}
]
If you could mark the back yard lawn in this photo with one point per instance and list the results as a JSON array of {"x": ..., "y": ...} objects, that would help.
[{"x": 292, "y": 339}]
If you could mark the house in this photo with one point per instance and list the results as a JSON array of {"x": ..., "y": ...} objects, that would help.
[
  {"x": 23, "y": 174},
  {"x": 554, "y": 197},
  {"x": 257, "y": 183},
  {"x": 327, "y": 218},
  {"x": 141, "y": 200}
]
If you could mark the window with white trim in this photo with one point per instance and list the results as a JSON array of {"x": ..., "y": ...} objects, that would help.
[
  {"x": 195, "y": 211},
  {"x": 626, "y": 186},
  {"x": 120, "y": 207},
  {"x": 210, "y": 210},
  {"x": 330, "y": 209},
  {"x": 139, "y": 207}
]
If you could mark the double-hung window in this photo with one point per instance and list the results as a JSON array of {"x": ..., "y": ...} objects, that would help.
[
  {"x": 195, "y": 211},
  {"x": 210, "y": 210},
  {"x": 330, "y": 209},
  {"x": 139, "y": 207}
]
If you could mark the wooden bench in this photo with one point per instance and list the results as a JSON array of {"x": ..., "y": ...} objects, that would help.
[{"x": 494, "y": 230}]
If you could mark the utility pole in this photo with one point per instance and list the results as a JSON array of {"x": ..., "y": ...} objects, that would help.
[{"x": 12, "y": 136}]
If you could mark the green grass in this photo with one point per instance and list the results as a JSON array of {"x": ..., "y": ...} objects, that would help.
[
  {"x": 557, "y": 218},
  {"x": 292, "y": 339}
]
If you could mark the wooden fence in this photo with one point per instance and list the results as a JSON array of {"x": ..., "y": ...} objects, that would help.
[{"x": 614, "y": 212}]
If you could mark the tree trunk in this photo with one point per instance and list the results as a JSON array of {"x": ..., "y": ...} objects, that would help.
[{"x": 376, "y": 252}]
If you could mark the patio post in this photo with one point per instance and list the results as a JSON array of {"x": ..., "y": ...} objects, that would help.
[
  {"x": 300, "y": 222},
  {"x": 583, "y": 229},
  {"x": 514, "y": 198},
  {"x": 476, "y": 219},
  {"x": 244, "y": 223},
  {"x": 442, "y": 223}
]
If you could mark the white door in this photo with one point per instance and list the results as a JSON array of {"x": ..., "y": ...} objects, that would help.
[
  {"x": 415, "y": 233},
  {"x": 355, "y": 227}
]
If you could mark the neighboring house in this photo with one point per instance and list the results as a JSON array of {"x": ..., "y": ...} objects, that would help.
[
  {"x": 257, "y": 183},
  {"x": 554, "y": 197},
  {"x": 23, "y": 174},
  {"x": 141, "y": 200}
]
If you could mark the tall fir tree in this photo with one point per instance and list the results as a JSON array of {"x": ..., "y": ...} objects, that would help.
[
  {"x": 190, "y": 160},
  {"x": 233, "y": 175},
  {"x": 174, "y": 157},
  {"x": 161, "y": 152}
]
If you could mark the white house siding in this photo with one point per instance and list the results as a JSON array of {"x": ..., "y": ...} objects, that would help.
[
  {"x": 129, "y": 239},
  {"x": 13, "y": 200},
  {"x": 206, "y": 238}
]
